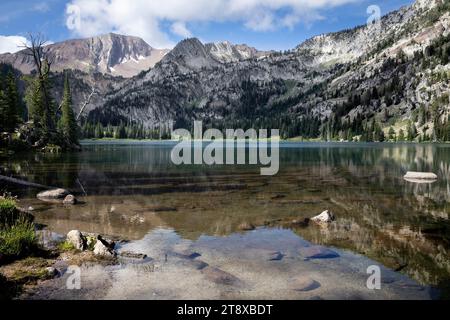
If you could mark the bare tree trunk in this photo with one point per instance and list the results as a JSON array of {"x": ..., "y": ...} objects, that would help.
[
  {"x": 24, "y": 183},
  {"x": 88, "y": 100}
]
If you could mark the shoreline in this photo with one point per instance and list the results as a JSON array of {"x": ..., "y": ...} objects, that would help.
[{"x": 92, "y": 141}]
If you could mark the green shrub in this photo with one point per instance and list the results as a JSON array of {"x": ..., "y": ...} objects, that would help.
[
  {"x": 9, "y": 213},
  {"x": 19, "y": 239}
]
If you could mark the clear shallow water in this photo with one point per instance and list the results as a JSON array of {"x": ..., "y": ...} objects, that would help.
[{"x": 131, "y": 189}]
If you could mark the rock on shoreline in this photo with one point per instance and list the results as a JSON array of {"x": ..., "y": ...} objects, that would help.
[{"x": 325, "y": 217}]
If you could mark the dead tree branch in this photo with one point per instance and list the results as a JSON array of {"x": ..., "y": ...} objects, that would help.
[{"x": 86, "y": 102}]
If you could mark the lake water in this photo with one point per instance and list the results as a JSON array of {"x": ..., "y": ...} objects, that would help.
[{"x": 133, "y": 191}]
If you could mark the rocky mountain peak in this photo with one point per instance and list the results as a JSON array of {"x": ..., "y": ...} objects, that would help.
[
  {"x": 111, "y": 53},
  {"x": 191, "y": 54}
]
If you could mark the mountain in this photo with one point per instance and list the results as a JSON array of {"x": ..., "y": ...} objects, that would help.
[
  {"x": 360, "y": 83},
  {"x": 111, "y": 54},
  {"x": 335, "y": 85},
  {"x": 190, "y": 54},
  {"x": 227, "y": 52}
]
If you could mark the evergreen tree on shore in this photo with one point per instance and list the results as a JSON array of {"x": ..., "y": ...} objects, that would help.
[
  {"x": 68, "y": 124},
  {"x": 9, "y": 104}
]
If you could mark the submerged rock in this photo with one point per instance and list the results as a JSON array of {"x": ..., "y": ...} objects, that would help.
[
  {"x": 303, "y": 283},
  {"x": 193, "y": 264},
  {"x": 276, "y": 256},
  {"x": 132, "y": 255},
  {"x": 185, "y": 254},
  {"x": 325, "y": 217},
  {"x": 53, "y": 194},
  {"x": 219, "y": 276},
  {"x": 318, "y": 252},
  {"x": 70, "y": 199},
  {"x": 76, "y": 239}
]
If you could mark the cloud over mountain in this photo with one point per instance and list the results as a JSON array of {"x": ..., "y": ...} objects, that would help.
[
  {"x": 11, "y": 44},
  {"x": 147, "y": 18}
]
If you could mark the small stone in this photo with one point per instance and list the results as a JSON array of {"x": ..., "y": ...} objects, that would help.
[
  {"x": 30, "y": 208},
  {"x": 318, "y": 252},
  {"x": 246, "y": 226},
  {"x": 303, "y": 283},
  {"x": 51, "y": 271},
  {"x": 70, "y": 199},
  {"x": 77, "y": 239},
  {"x": 276, "y": 256},
  {"x": 325, "y": 217}
]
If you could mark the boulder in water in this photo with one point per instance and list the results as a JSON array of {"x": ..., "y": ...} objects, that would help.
[
  {"x": 53, "y": 194},
  {"x": 420, "y": 177}
]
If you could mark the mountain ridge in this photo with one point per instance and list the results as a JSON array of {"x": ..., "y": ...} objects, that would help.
[
  {"x": 315, "y": 83},
  {"x": 111, "y": 54}
]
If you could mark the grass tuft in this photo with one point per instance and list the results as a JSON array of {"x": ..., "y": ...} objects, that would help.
[
  {"x": 18, "y": 240},
  {"x": 66, "y": 246}
]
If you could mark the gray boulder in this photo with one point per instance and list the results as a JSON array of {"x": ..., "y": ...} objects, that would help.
[
  {"x": 77, "y": 239},
  {"x": 104, "y": 248},
  {"x": 53, "y": 194}
]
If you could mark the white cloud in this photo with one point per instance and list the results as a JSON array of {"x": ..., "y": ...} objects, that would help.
[
  {"x": 41, "y": 7},
  {"x": 180, "y": 29},
  {"x": 11, "y": 44},
  {"x": 143, "y": 18}
]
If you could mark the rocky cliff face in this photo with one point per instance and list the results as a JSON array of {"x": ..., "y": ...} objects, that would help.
[
  {"x": 110, "y": 54},
  {"x": 227, "y": 52}
]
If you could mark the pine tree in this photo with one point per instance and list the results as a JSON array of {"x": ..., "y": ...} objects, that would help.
[
  {"x": 13, "y": 101},
  {"x": 10, "y": 104},
  {"x": 3, "y": 111},
  {"x": 68, "y": 123},
  {"x": 41, "y": 108}
]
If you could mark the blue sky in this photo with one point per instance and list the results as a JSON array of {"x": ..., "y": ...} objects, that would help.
[{"x": 279, "y": 24}]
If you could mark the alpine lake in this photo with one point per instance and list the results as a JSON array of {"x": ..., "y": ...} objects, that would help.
[{"x": 132, "y": 191}]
